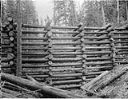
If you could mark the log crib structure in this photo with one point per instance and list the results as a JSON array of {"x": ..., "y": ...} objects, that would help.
[{"x": 62, "y": 57}]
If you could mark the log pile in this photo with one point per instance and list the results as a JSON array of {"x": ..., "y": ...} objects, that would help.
[
  {"x": 8, "y": 45},
  {"x": 13, "y": 86},
  {"x": 108, "y": 82}
]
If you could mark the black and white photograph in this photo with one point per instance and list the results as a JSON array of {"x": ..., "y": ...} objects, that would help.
[{"x": 64, "y": 49}]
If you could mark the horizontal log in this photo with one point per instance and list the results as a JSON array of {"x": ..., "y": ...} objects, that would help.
[
  {"x": 121, "y": 42},
  {"x": 95, "y": 37},
  {"x": 66, "y": 48},
  {"x": 67, "y": 75},
  {"x": 98, "y": 52},
  {"x": 66, "y": 82},
  {"x": 64, "y": 32},
  {"x": 65, "y": 64},
  {"x": 122, "y": 50},
  {"x": 98, "y": 59},
  {"x": 88, "y": 32},
  {"x": 69, "y": 86},
  {"x": 120, "y": 37},
  {"x": 67, "y": 53},
  {"x": 66, "y": 59},
  {"x": 122, "y": 62},
  {"x": 66, "y": 69},
  {"x": 94, "y": 48},
  {"x": 65, "y": 78},
  {"x": 64, "y": 27},
  {"x": 37, "y": 76},
  {"x": 50, "y": 91},
  {"x": 121, "y": 53},
  {"x": 40, "y": 70},
  {"x": 33, "y": 32},
  {"x": 34, "y": 53},
  {"x": 99, "y": 63},
  {"x": 34, "y": 65},
  {"x": 34, "y": 43},
  {"x": 94, "y": 73},
  {"x": 5, "y": 65},
  {"x": 34, "y": 48},
  {"x": 121, "y": 47},
  {"x": 97, "y": 42},
  {"x": 34, "y": 38},
  {"x": 66, "y": 43},
  {"x": 99, "y": 67},
  {"x": 119, "y": 32},
  {"x": 6, "y": 46},
  {"x": 65, "y": 38},
  {"x": 35, "y": 60}
]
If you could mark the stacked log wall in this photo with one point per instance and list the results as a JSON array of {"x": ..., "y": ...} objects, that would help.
[{"x": 65, "y": 57}]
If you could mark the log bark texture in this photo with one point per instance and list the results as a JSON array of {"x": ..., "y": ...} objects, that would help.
[{"x": 45, "y": 89}]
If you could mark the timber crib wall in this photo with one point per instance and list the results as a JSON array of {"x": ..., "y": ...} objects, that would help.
[{"x": 64, "y": 57}]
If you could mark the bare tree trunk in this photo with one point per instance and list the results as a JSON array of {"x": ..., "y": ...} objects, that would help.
[
  {"x": 103, "y": 14},
  {"x": 127, "y": 9},
  {"x": 118, "y": 15}
]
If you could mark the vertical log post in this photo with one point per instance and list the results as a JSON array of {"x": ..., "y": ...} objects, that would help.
[
  {"x": 19, "y": 34},
  {"x": 112, "y": 45},
  {"x": 49, "y": 35},
  {"x": 81, "y": 30}
]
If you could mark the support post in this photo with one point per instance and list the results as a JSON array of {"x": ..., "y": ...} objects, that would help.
[
  {"x": 19, "y": 33},
  {"x": 112, "y": 45}
]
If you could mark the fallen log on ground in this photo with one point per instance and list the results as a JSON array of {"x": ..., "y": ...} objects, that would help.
[
  {"x": 45, "y": 89},
  {"x": 112, "y": 79},
  {"x": 6, "y": 95},
  {"x": 105, "y": 79},
  {"x": 92, "y": 82}
]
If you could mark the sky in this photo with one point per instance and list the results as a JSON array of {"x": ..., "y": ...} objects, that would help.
[{"x": 44, "y": 8}]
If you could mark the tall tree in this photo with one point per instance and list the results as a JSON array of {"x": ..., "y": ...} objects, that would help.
[
  {"x": 27, "y": 10},
  {"x": 64, "y": 12}
]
